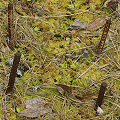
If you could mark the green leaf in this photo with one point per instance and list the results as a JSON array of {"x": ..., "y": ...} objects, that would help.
[
  {"x": 36, "y": 28},
  {"x": 22, "y": 56},
  {"x": 18, "y": 109}
]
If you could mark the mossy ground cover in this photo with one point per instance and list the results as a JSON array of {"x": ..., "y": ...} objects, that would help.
[{"x": 54, "y": 54}]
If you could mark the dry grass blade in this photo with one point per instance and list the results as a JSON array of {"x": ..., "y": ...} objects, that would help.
[{"x": 54, "y": 54}]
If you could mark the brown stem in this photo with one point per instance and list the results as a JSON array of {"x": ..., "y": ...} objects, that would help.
[
  {"x": 10, "y": 24},
  {"x": 104, "y": 35},
  {"x": 101, "y": 95},
  {"x": 13, "y": 72}
]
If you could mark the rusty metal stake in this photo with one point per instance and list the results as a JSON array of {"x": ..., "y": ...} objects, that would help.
[
  {"x": 104, "y": 35},
  {"x": 10, "y": 24},
  {"x": 101, "y": 95},
  {"x": 13, "y": 72}
]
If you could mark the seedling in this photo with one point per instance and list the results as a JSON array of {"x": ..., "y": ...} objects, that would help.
[
  {"x": 10, "y": 24},
  {"x": 101, "y": 95},
  {"x": 104, "y": 35},
  {"x": 13, "y": 72}
]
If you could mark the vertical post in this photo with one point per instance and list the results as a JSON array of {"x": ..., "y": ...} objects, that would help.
[
  {"x": 10, "y": 24},
  {"x": 13, "y": 72},
  {"x": 104, "y": 35},
  {"x": 101, "y": 95}
]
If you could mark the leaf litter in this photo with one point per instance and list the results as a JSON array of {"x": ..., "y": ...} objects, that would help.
[
  {"x": 56, "y": 56},
  {"x": 77, "y": 25},
  {"x": 35, "y": 107}
]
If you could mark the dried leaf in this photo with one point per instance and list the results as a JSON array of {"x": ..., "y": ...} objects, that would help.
[
  {"x": 107, "y": 3},
  {"x": 110, "y": 3},
  {"x": 66, "y": 88},
  {"x": 87, "y": 96},
  {"x": 35, "y": 107},
  {"x": 78, "y": 97},
  {"x": 5, "y": 49},
  {"x": 34, "y": 112},
  {"x": 61, "y": 90},
  {"x": 77, "y": 25},
  {"x": 96, "y": 24},
  {"x": 34, "y": 102},
  {"x": 90, "y": 96}
]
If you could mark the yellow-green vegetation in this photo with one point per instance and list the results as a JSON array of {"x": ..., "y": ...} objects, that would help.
[{"x": 53, "y": 54}]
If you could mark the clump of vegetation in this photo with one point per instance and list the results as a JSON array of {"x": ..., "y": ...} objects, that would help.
[{"x": 55, "y": 52}]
